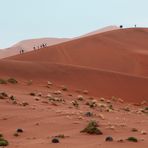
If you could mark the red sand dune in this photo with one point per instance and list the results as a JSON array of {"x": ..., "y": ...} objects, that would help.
[
  {"x": 107, "y": 64},
  {"x": 98, "y": 62},
  {"x": 116, "y": 50}
]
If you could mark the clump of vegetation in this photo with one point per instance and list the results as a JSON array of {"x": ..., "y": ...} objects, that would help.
[
  {"x": 32, "y": 94},
  {"x": 109, "y": 139},
  {"x": 19, "y": 130},
  {"x": 134, "y": 130},
  {"x": 12, "y": 98},
  {"x": 145, "y": 110},
  {"x": 91, "y": 104},
  {"x": 88, "y": 114},
  {"x": 92, "y": 128},
  {"x": 12, "y": 81},
  {"x": 16, "y": 134},
  {"x": 80, "y": 98},
  {"x": 132, "y": 139},
  {"x": 1, "y": 135},
  {"x": 3, "y": 95},
  {"x": 3, "y": 142},
  {"x": 25, "y": 103},
  {"x": 64, "y": 88},
  {"x": 55, "y": 140},
  {"x": 2, "y": 81},
  {"x": 75, "y": 103}
]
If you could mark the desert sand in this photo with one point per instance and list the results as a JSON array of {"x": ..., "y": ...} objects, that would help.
[{"x": 104, "y": 74}]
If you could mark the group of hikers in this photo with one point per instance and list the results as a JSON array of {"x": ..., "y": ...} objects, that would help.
[
  {"x": 21, "y": 51},
  {"x": 43, "y": 45}
]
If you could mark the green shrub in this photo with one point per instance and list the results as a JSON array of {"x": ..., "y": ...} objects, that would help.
[
  {"x": 3, "y": 142},
  {"x": 2, "y": 81},
  {"x": 12, "y": 81},
  {"x": 132, "y": 139},
  {"x": 92, "y": 129}
]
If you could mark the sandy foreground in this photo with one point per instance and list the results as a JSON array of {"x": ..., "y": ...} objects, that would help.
[{"x": 41, "y": 119}]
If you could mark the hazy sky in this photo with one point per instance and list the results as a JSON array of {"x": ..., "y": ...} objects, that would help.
[{"x": 23, "y": 19}]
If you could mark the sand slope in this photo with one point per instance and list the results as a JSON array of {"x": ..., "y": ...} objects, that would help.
[
  {"x": 119, "y": 50},
  {"x": 98, "y": 82}
]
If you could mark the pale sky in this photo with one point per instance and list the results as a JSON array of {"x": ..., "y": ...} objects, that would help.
[{"x": 25, "y": 19}]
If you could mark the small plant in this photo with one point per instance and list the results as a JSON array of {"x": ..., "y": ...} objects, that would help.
[
  {"x": 80, "y": 98},
  {"x": 19, "y": 130},
  {"x": 55, "y": 140},
  {"x": 12, "y": 81},
  {"x": 91, "y": 104},
  {"x": 3, "y": 95},
  {"x": 92, "y": 129},
  {"x": 132, "y": 139},
  {"x": 134, "y": 130},
  {"x": 32, "y": 94},
  {"x": 109, "y": 139},
  {"x": 88, "y": 114},
  {"x": 75, "y": 103},
  {"x": 64, "y": 88},
  {"x": 1, "y": 135},
  {"x": 2, "y": 81},
  {"x": 16, "y": 134},
  {"x": 3, "y": 142}
]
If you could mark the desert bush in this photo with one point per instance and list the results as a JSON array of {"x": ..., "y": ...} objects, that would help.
[
  {"x": 92, "y": 129},
  {"x": 19, "y": 130},
  {"x": 64, "y": 88},
  {"x": 132, "y": 139},
  {"x": 32, "y": 94},
  {"x": 134, "y": 130},
  {"x": 55, "y": 140},
  {"x": 109, "y": 139},
  {"x": 3, "y": 142},
  {"x": 88, "y": 114},
  {"x": 1, "y": 135},
  {"x": 3, "y": 95},
  {"x": 2, "y": 81},
  {"x": 12, "y": 81},
  {"x": 16, "y": 134},
  {"x": 75, "y": 103}
]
